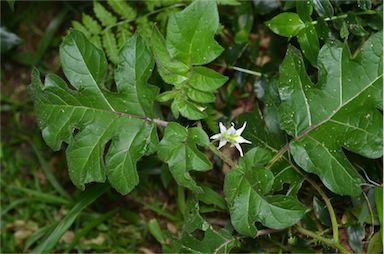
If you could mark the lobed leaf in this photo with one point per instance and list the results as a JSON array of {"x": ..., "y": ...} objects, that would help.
[
  {"x": 341, "y": 111},
  {"x": 214, "y": 240},
  {"x": 247, "y": 189},
  {"x": 178, "y": 150},
  {"x": 100, "y": 116}
]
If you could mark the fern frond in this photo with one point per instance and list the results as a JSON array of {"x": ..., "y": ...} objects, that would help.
[
  {"x": 78, "y": 26},
  {"x": 123, "y": 9},
  {"x": 144, "y": 27},
  {"x": 106, "y": 18},
  {"x": 123, "y": 34},
  {"x": 110, "y": 45},
  {"x": 91, "y": 24}
]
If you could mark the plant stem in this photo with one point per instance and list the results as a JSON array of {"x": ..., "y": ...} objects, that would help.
[
  {"x": 254, "y": 73},
  {"x": 332, "y": 215},
  {"x": 329, "y": 242},
  {"x": 343, "y": 16},
  {"x": 222, "y": 156},
  {"x": 335, "y": 226}
]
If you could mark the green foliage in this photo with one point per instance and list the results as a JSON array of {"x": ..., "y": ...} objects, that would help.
[
  {"x": 286, "y": 24},
  {"x": 189, "y": 43},
  {"x": 106, "y": 32},
  {"x": 325, "y": 118},
  {"x": 247, "y": 190},
  {"x": 213, "y": 241},
  {"x": 98, "y": 113},
  {"x": 314, "y": 123},
  {"x": 178, "y": 150}
]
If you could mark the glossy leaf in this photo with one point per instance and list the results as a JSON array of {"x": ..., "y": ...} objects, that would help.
[
  {"x": 214, "y": 240},
  {"x": 178, "y": 150},
  {"x": 323, "y": 7},
  {"x": 247, "y": 188},
  {"x": 98, "y": 115},
  {"x": 189, "y": 43},
  {"x": 286, "y": 24},
  {"x": 356, "y": 234},
  {"x": 341, "y": 111},
  {"x": 379, "y": 203},
  {"x": 263, "y": 130},
  {"x": 189, "y": 39},
  {"x": 304, "y": 9},
  {"x": 309, "y": 43}
]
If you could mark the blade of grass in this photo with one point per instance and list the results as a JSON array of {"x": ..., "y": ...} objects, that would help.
[
  {"x": 82, "y": 232},
  {"x": 37, "y": 235},
  {"x": 43, "y": 197},
  {"x": 48, "y": 173},
  {"x": 13, "y": 205},
  {"x": 88, "y": 198}
]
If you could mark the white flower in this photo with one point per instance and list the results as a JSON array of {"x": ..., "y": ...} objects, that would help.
[{"x": 232, "y": 136}]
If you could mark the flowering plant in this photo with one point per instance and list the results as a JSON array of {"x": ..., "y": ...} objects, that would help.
[{"x": 174, "y": 81}]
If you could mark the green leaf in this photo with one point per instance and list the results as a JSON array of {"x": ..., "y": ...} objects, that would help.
[
  {"x": 189, "y": 39},
  {"x": 214, "y": 240},
  {"x": 304, "y": 9},
  {"x": 356, "y": 234},
  {"x": 309, "y": 43},
  {"x": 189, "y": 42},
  {"x": 375, "y": 245},
  {"x": 205, "y": 79},
  {"x": 171, "y": 70},
  {"x": 98, "y": 115},
  {"x": 323, "y": 7},
  {"x": 155, "y": 230},
  {"x": 106, "y": 18},
  {"x": 341, "y": 111},
  {"x": 286, "y": 24},
  {"x": 211, "y": 197},
  {"x": 123, "y": 9},
  {"x": 379, "y": 203},
  {"x": 263, "y": 130},
  {"x": 321, "y": 212},
  {"x": 178, "y": 150},
  {"x": 246, "y": 189},
  {"x": 110, "y": 45},
  {"x": 364, "y": 4}
]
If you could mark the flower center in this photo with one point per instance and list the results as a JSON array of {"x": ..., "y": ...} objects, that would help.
[{"x": 229, "y": 137}]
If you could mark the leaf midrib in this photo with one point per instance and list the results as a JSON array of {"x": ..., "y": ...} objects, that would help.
[
  {"x": 319, "y": 124},
  {"x": 90, "y": 73}
]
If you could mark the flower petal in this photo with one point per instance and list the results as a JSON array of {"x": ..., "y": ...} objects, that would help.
[
  {"x": 222, "y": 143},
  {"x": 240, "y": 139},
  {"x": 231, "y": 130},
  {"x": 239, "y": 131},
  {"x": 216, "y": 136},
  {"x": 222, "y": 127},
  {"x": 239, "y": 148}
]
